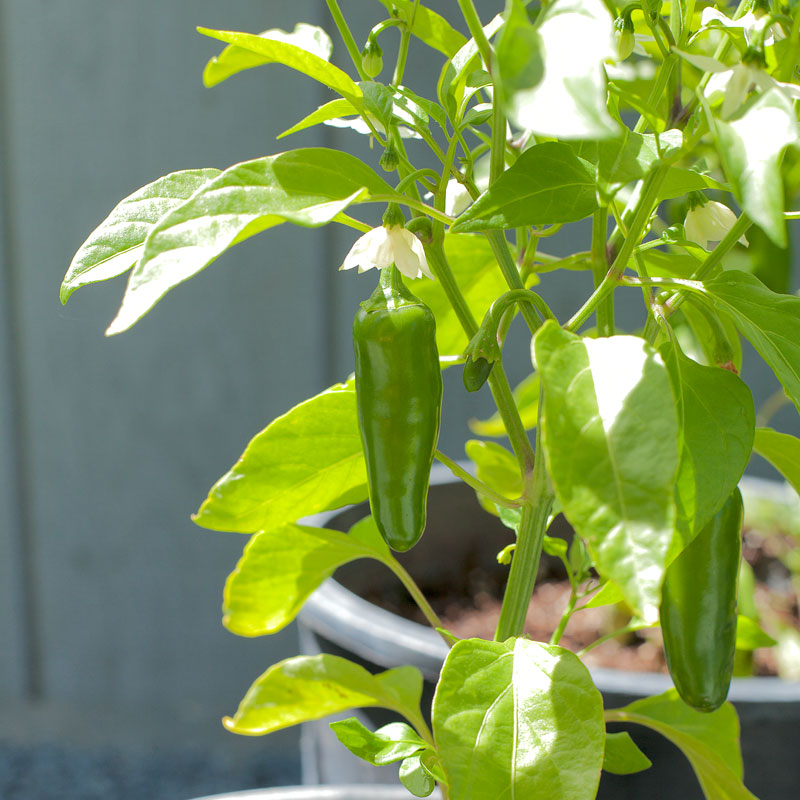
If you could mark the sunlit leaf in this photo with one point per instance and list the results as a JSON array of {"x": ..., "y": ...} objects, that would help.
[
  {"x": 782, "y": 451},
  {"x": 118, "y": 241},
  {"x": 303, "y": 688},
  {"x": 518, "y": 719},
  {"x": 333, "y": 110},
  {"x": 622, "y": 756},
  {"x": 610, "y": 433},
  {"x": 750, "y": 635},
  {"x": 429, "y": 27},
  {"x": 306, "y": 461},
  {"x": 392, "y": 742},
  {"x": 526, "y": 396}
]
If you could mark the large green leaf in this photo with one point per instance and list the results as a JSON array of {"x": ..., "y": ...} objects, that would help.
[
  {"x": 562, "y": 92},
  {"x": 547, "y": 184},
  {"x": 717, "y": 417},
  {"x": 709, "y": 741},
  {"x": 311, "y": 687},
  {"x": 306, "y": 461},
  {"x": 118, "y": 241},
  {"x": 750, "y": 148},
  {"x": 309, "y": 187},
  {"x": 518, "y": 719},
  {"x": 611, "y": 438},
  {"x": 253, "y": 50},
  {"x": 281, "y": 567},
  {"x": 479, "y": 279},
  {"x": 429, "y": 27},
  {"x": 782, "y": 451},
  {"x": 769, "y": 321}
]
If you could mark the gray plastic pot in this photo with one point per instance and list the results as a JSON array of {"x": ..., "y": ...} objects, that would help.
[
  {"x": 461, "y": 535},
  {"x": 352, "y": 792}
]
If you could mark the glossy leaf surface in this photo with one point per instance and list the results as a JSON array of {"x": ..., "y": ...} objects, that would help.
[
  {"x": 611, "y": 442},
  {"x": 311, "y": 687},
  {"x": 280, "y": 568},
  {"x": 306, "y": 461},
  {"x": 309, "y": 187},
  {"x": 709, "y": 741},
  {"x": 118, "y": 241},
  {"x": 547, "y": 184},
  {"x": 518, "y": 719},
  {"x": 391, "y": 743}
]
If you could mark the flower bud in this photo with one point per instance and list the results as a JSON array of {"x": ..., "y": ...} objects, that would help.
[
  {"x": 623, "y": 37},
  {"x": 389, "y": 159},
  {"x": 372, "y": 58}
]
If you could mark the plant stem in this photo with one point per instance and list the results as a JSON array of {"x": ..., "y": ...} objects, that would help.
[
  {"x": 411, "y": 202},
  {"x": 477, "y": 485},
  {"x": 415, "y": 592},
  {"x": 347, "y": 37},
  {"x": 476, "y": 31},
  {"x": 635, "y": 625},
  {"x": 530, "y": 536},
  {"x": 565, "y": 618},
  {"x": 605, "y": 311}
]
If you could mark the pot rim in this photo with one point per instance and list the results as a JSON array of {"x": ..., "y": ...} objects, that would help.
[
  {"x": 322, "y": 792},
  {"x": 384, "y": 638}
]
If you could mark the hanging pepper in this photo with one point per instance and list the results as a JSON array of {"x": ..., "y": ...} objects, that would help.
[
  {"x": 399, "y": 395},
  {"x": 698, "y": 609}
]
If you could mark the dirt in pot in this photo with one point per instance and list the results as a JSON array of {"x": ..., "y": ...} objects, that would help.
[{"x": 463, "y": 581}]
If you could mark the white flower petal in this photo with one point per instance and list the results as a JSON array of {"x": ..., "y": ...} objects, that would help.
[
  {"x": 419, "y": 252},
  {"x": 361, "y": 253}
]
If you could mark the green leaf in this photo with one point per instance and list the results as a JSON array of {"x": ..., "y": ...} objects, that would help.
[
  {"x": 547, "y": 184},
  {"x": 308, "y": 187},
  {"x": 416, "y": 778},
  {"x": 609, "y": 594},
  {"x": 610, "y": 433},
  {"x": 750, "y": 148},
  {"x": 116, "y": 244},
  {"x": 251, "y": 50},
  {"x": 707, "y": 338},
  {"x": 563, "y": 92},
  {"x": 634, "y": 154},
  {"x": 769, "y": 321},
  {"x": 782, "y": 451},
  {"x": 333, "y": 110},
  {"x": 709, "y": 741},
  {"x": 429, "y": 27},
  {"x": 518, "y": 719},
  {"x": 479, "y": 279},
  {"x": 717, "y": 417},
  {"x": 750, "y": 635},
  {"x": 622, "y": 756},
  {"x": 679, "y": 181},
  {"x": 311, "y": 687},
  {"x": 526, "y": 396},
  {"x": 392, "y": 742},
  {"x": 306, "y": 461},
  {"x": 278, "y": 571},
  {"x": 497, "y": 468}
]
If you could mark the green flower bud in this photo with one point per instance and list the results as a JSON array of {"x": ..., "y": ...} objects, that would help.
[
  {"x": 372, "y": 58},
  {"x": 389, "y": 159},
  {"x": 623, "y": 36}
]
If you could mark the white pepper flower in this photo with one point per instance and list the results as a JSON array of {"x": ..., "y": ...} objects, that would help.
[
  {"x": 710, "y": 223},
  {"x": 386, "y": 245}
]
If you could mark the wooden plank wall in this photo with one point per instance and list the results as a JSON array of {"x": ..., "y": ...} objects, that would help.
[{"x": 109, "y": 596}]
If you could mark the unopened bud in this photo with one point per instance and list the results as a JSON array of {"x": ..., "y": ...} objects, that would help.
[
  {"x": 389, "y": 159},
  {"x": 372, "y": 58},
  {"x": 623, "y": 36}
]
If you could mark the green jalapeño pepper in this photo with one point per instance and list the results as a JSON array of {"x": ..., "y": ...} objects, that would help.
[
  {"x": 399, "y": 394},
  {"x": 698, "y": 609}
]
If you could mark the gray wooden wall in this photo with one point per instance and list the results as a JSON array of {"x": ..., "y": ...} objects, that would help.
[{"x": 109, "y": 596}]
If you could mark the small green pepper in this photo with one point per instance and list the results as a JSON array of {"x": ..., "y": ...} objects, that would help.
[
  {"x": 399, "y": 395},
  {"x": 698, "y": 609}
]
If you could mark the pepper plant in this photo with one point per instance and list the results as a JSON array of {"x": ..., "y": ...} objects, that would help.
[{"x": 672, "y": 127}]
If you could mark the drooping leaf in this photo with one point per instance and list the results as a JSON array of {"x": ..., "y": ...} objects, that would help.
[
  {"x": 562, "y": 93},
  {"x": 707, "y": 338},
  {"x": 769, "y": 321},
  {"x": 547, "y": 184},
  {"x": 333, "y": 110},
  {"x": 304, "y": 688},
  {"x": 622, "y": 756},
  {"x": 392, "y": 742},
  {"x": 117, "y": 243},
  {"x": 261, "y": 50},
  {"x": 633, "y": 155},
  {"x": 750, "y": 148},
  {"x": 610, "y": 433},
  {"x": 526, "y": 396},
  {"x": 309, "y": 187},
  {"x": 415, "y": 776},
  {"x": 429, "y": 27},
  {"x": 709, "y": 741},
  {"x": 479, "y": 279},
  {"x": 278, "y": 571},
  {"x": 679, "y": 181},
  {"x": 750, "y": 635},
  {"x": 782, "y": 451},
  {"x": 717, "y": 419},
  {"x": 518, "y": 719},
  {"x": 306, "y": 461}
]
